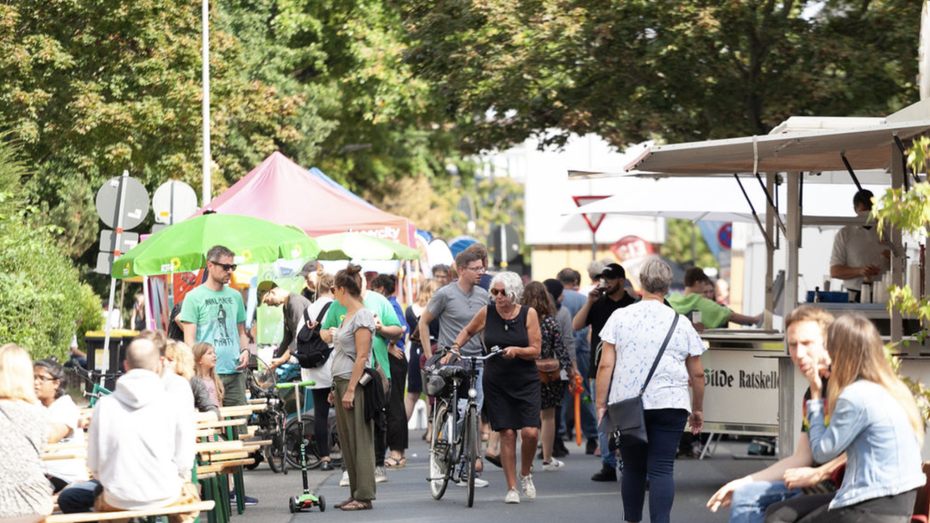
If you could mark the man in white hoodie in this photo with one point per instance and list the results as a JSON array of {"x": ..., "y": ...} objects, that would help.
[{"x": 133, "y": 446}]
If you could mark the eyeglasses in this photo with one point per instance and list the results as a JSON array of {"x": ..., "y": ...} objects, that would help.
[
  {"x": 498, "y": 292},
  {"x": 478, "y": 269},
  {"x": 45, "y": 379},
  {"x": 226, "y": 267}
]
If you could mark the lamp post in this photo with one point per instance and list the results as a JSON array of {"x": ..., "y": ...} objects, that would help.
[{"x": 207, "y": 184}]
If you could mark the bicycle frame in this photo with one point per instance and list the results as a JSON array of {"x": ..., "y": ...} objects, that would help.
[{"x": 94, "y": 378}]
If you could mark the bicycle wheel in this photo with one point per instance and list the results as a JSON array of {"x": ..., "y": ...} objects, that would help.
[
  {"x": 440, "y": 443},
  {"x": 470, "y": 441},
  {"x": 292, "y": 441},
  {"x": 275, "y": 453}
]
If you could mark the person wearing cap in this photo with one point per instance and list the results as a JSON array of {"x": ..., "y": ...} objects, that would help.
[
  {"x": 858, "y": 256},
  {"x": 605, "y": 298},
  {"x": 713, "y": 315},
  {"x": 294, "y": 306}
]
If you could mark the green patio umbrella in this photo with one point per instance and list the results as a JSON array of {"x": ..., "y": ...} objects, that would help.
[
  {"x": 356, "y": 246},
  {"x": 183, "y": 246}
]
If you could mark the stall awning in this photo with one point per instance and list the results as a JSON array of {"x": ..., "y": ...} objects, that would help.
[{"x": 865, "y": 148}]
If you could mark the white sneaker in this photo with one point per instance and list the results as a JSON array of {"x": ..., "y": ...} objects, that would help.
[
  {"x": 380, "y": 475},
  {"x": 526, "y": 484},
  {"x": 479, "y": 483},
  {"x": 553, "y": 465},
  {"x": 344, "y": 482},
  {"x": 512, "y": 496}
]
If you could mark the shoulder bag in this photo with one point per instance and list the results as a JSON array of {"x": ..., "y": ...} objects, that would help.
[{"x": 628, "y": 416}]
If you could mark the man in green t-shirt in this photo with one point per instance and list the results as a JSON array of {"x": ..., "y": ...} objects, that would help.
[
  {"x": 214, "y": 313},
  {"x": 387, "y": 328},
  {"x": 712, "y": 314}
]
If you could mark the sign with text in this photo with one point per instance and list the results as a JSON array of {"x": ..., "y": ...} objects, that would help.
[{"x": 739, "y": 388}]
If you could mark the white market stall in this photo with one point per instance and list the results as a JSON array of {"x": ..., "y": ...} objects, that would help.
[{"x": 795, "y": 154}]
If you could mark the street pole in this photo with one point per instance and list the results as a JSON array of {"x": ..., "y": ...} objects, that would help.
[
  {"x": 118, "y": 243},
  {"x": 593, "y": 244},
  {"x": 207, "y": 184}
]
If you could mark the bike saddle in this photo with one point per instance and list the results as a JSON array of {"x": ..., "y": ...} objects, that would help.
[{"x": 452, "y": 371}]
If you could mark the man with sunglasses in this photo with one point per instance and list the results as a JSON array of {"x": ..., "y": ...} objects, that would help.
[
  {"x": 215, "y": 314},
  {"x": 455, "y": 305}
]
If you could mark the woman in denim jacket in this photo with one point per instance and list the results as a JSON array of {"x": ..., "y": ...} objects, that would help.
[{"x": 871, "y": 415}]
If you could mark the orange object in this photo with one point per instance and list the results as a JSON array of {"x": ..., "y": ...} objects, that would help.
[{"x": 575, "y": 387}]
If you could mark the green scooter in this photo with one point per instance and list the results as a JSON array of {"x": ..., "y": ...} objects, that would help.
[{"x": 305, "y": 500}]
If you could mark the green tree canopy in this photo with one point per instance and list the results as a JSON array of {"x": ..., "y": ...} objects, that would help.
[{"x": 675, "y": 70}]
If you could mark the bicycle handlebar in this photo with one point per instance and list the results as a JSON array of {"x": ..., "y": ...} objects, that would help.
[
  {"x": 495, "y": 350},
  {"x": 291, "y": 385}
]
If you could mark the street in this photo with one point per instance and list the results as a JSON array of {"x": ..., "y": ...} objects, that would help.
[{"x": 562, "y": 495}]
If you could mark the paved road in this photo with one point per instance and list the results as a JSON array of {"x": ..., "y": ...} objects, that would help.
[{"x": 562, "y": 495}]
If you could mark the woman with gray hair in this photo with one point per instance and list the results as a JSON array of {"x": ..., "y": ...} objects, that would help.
[
  {"x": 632, "y": 340},
  {"x": 511, "y": 382}
]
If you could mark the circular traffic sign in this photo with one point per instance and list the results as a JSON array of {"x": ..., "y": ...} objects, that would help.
[
  {"x": 173, "y": 201},
  {"x": 725, "y": 235},
  {"x": 135, "y": 206}
]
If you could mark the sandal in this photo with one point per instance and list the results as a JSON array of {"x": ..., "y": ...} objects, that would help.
[
  {"x": 357, "y": 505},
  {"x": 395, "y": 463},
  {"x": 495, "y": 460},
  {"x": 344, "y": 503}
]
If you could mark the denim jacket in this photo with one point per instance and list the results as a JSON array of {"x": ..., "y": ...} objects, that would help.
[{"x": 883, "y": 455}]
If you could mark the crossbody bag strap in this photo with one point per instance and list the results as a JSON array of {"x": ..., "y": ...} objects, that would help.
[{"x": 671, "y": 330}]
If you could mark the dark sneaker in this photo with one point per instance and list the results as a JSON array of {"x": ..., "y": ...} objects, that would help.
[
  {"x": 559, "y": 450},
  {"x": 247, "y": 501},
  {"x": 591, "y": 446},
  {"x": 327, "y": 465},
  {"x": 606, "y": 473}
]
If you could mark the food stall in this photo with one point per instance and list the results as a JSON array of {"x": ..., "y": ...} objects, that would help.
[{"x": 799, "y": 152}]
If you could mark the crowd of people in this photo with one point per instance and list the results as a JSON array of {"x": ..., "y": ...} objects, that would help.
[{"x": 369, "y": 369}]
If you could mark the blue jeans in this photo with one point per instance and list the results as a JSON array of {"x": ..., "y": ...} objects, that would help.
[
  {"x": 750, "y": 501},
  {"x": 78, "y": 497},
  {"x": 603, "y": 440},
  {"x": 657, "y": 459}
]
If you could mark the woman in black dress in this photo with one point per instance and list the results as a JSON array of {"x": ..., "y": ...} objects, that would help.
[{"x": 511, "y": 382}]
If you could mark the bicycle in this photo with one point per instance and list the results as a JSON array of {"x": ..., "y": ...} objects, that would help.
[
  {"x": 271, "y": 421},
  {"x": 96, "y": 379},
  {"x": 453, "y": 452}
]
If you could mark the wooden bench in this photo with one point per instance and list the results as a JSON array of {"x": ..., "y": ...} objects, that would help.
[{"x": 86, "y": 517}]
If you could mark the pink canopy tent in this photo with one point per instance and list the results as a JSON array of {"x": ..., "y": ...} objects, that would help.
[{"x": 280, "y": 191}]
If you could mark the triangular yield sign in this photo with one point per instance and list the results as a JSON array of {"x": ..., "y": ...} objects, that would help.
[{"x": 593, "y": 219}]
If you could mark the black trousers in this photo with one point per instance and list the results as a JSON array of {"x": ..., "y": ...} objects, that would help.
[
  {"x": 320, "y": 421},
  {"x": 397, "y": 410}
]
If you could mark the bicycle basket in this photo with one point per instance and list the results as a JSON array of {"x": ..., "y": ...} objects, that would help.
[{"x": 435, "y": 385}]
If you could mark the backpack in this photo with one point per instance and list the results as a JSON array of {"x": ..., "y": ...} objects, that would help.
[{"x": 312, "y": 351}]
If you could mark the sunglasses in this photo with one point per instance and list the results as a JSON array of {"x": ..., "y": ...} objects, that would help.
[
  {"x": 497, "y": 292},
  {"x": 225, "y": 266}
]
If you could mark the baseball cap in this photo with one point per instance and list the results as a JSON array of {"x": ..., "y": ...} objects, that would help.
[
  {"x": 310, "y": 266},
  {"x": 263, "y": 289},
  {"x": 613, "y": 271}
]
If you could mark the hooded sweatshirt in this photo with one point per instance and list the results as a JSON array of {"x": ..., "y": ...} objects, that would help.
[{"x": 131, "y": 444}]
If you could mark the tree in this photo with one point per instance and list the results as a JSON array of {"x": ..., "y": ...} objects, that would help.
[
  {"x": 93, "y": 87},
  {"x": 673, "y": 70}
]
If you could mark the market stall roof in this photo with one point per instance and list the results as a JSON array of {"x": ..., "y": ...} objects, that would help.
[
  {"x": 280, "y": 191},
  {"x": 866, "y": 147}
]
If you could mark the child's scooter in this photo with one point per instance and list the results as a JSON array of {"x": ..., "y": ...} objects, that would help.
[{"x": 305, "y": 500}]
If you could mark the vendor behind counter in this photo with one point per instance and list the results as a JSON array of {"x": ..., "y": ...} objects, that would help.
[{"x": 858, "y": 255}]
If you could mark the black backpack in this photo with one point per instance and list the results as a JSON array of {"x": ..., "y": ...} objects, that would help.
[{"x": 312, "y": 351}]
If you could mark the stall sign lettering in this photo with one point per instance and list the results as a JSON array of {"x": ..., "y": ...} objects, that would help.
[{"x": 747, "y": 380}]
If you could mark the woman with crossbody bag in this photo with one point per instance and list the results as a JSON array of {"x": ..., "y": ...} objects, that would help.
[{"x": 634, "y": 366}]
